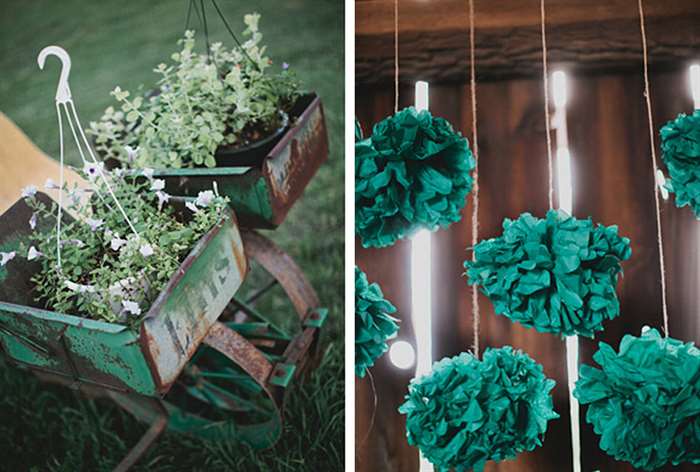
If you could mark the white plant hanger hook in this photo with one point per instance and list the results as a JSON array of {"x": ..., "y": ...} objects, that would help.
[
  {"x": 63, "y": 91},
  {"x": 65, "y": 100}
]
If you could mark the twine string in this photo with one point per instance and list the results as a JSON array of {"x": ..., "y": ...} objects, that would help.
[
  {"x": 657, "y": 203},
  {"x": 475, "y": 203},
  {"x": 375, "y": 402},
  {"x": 396, "y": 56},
  {"x": 545, "y": 79}
]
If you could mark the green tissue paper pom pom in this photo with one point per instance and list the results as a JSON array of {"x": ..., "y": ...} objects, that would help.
[
  {"x": 465, "y": 412},
  {"x": 680, "y": 151},
  {"x": 374, "y": 325},
  {"x": 412, "y": 173},
  {"x": 556, "y": 274},
  {"x": 644, "y": 401},
  {"x": 358, "y": 130}
]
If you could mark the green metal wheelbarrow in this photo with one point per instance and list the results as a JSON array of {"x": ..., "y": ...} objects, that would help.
[{"x": 204, "y": 361}]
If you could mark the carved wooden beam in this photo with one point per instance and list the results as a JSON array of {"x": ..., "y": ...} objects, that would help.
[{"x": 581, "y": 35}]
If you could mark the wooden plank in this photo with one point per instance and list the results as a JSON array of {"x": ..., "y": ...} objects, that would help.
[{"x": 434, "y": 36}]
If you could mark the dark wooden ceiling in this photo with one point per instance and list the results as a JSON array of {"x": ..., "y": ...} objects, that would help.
[{"x": 581, "y": 34}]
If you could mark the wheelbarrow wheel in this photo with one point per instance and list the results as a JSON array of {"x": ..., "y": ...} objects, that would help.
[{"x": 233, "y": 388}]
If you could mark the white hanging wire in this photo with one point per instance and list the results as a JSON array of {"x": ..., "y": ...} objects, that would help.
[{"x": 63, "y": 97}]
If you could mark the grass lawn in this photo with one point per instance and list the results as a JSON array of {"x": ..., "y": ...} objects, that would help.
[{"x": 45, "y": 427}]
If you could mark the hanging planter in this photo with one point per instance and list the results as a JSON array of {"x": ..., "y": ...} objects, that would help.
[
  {"x": 412, "y": 173},
  {"x": 680, "y": 151},
  {"x": 225, "y": 116},
  {"x": 644, "y": 401},
  {"x": 467, "y": 411},
  {"x": 556, "y": 274}
]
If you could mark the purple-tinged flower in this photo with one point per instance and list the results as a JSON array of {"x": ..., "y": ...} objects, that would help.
[
  {"x": 32, "y": 221},
  {"x": 146, "y": 250},
  {"x": 205, "y": 198},
  {"x": 33, "y": 254},
  {"x": 162, "y": 198},
  {"x": 29, "y": 191},
  {"x": 131, "y": 153},
  {"x": 6, "y": 257},
  {"x": 73, "y": 242},
  {"x": 158, "y": 184},
  {"x": 94, "y": 223},
  {"x": 285, "y": 66},
  {"x": 147, "y": 172},
  {"x": 50, "y": 184},
  {"x": 93, "y": 169},
  {"x": 131, "y": 307},
  {"x": 79, "y": 288},
  {"x": 116, "y": 243}
]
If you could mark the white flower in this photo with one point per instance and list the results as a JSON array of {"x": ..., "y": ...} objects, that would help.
[
  {"x": 147, "y": 172},
  {"x": 73, "y": 242},
  {"x": 29, "y": 191},
  {"x": 131, "y": 307},
  {"x": 162, "y": 198},
  {"x": 93, "y": 169},
  {"x": 50, "y": 184},
  {"x": 116, "y": 243},
  {"x": 146, "y": 250},
  {"x": 158, "y": 184},
  {"x": 6, "y": 257},
  {"x": 32, "y": 221},
  {"x": 33, "y": 254},
  {"x": 72, "y": 286},
  {"x": 131, "y": 153},
  {"x": 192, "y": 207},
  {"x": 94, "y": 223},
  {"x": 205, "y": 198}
]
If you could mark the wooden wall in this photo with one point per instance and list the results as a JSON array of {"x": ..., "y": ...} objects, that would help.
[{"x": 613, "y": 179}]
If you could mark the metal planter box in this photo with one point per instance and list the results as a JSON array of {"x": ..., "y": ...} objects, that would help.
[
  {"x": 113, "y": 356},
  {"x": 262, "y": 196}
]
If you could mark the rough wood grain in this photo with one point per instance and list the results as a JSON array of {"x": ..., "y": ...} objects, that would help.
[{"x": 433, "y": 39}]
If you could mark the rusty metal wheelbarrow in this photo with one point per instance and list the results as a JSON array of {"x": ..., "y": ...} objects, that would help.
[{"x": 184, "y": 369}]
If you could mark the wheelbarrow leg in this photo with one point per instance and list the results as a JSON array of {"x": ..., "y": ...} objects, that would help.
[{"x": 147, "y": 440}]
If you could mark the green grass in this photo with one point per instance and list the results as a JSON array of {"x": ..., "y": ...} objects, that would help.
[{"x": 45, "y": 427}]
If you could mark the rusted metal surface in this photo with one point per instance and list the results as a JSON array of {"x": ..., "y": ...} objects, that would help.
[
  {"x": 283, "y": 268},
  {"x": 294, "y": 160},
  {"x": 188, "y": 306},
  {"x": 262, "y": 195},
  {"x": 239, "y": 350},
  {"x": 160, "y": 422}
]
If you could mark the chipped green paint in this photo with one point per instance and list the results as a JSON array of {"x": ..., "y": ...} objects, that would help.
[{"x": 85, "y": 350}]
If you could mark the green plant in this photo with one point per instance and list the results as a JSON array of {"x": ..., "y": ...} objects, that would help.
[
  {"x": 203, "y": 101},
  {"x": 108, "y": 270}
]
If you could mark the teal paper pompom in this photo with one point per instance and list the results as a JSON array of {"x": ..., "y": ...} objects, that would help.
[
  {"x": 556, "y": 274},
  {"x": 412, "y": 173},
  {"x": 466, "y": 412},
  {"x": 645, "y": 400},
  {"x": 680, "y": 151},
  {"x": 374, "y": 325}
]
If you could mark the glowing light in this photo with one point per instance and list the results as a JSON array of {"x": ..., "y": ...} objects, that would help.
[
  {"x": 421, "y": 300},
  {"x": 559, "y": 88},
  {"x": 421, "y": 297},
  {"x": 422, "y": 98},
  {"x": 402, "y": 355},
  {"x": 564, "y": 186},
  {"x": 695, "y": 85}
]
